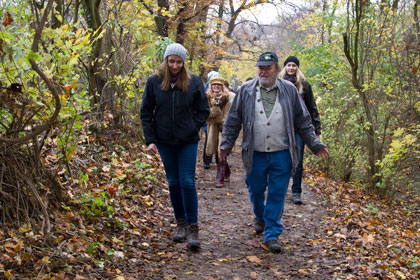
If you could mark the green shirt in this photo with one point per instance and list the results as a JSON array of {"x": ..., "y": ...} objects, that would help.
[{"x": 268, "y": 98}]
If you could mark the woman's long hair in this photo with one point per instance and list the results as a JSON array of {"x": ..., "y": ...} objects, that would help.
[
  {"x": 299, "y": 78},
  {"x": 225, "y": 93},
  {"x": 164, "y": 73}
]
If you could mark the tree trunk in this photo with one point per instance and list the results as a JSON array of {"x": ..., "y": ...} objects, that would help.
[
  {"x": 161, "y": 20},
  {"x": 93, "y": 19}
]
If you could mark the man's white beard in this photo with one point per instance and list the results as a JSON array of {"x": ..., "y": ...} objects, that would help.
[{"x": 266, "y": 83}]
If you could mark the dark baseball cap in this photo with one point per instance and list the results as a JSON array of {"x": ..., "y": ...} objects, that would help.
[{"x": 267, "y": 58}]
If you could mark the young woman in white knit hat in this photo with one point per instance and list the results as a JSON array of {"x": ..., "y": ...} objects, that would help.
[{"x": 173, "y": 110}]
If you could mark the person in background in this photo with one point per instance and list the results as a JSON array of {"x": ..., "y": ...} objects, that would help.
[
  {"x": 292, "y": 73},
  {"x": 208, "y": 159},
  {"x": 173, "y": 110},
  {"x": 231, "y": 91},
  {"x": 218, "y": 97},
  {"x": 269, "y": 111},
  {"x": 210, "y": 75}
]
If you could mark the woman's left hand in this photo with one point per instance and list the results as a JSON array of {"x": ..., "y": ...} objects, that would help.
[{"x": 151, "y": 149}]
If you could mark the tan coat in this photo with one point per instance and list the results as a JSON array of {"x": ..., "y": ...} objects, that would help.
[{"x": 218, "y": 113}]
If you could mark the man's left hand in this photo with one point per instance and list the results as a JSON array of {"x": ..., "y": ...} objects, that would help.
[{"x": 323, "y": 153}]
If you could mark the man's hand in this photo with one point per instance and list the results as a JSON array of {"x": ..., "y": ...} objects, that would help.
[
  {"x": 151, "y": 149},
  {"x": 323, "y": 153},
  {"x": 222, "y": 154}
]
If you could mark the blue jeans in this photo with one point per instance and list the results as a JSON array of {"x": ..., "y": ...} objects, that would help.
[
  {"x": 179, "y": 163},
  {"x": 297, "y": 178},
  {"x": 270, "y": 170}
]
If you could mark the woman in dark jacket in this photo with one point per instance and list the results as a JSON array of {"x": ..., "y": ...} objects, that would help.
[
  {"x": 173, "y": 110},
  {"x": 292, "y": 73}
]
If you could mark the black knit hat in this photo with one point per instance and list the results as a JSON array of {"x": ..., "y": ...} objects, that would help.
[{"x": 291, "y": 59}]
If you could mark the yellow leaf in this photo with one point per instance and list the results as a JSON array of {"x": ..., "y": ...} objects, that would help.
[
  {"x": 264, "y": 247},
  {"x": 25, "y": 228},
  {"x": 179, "y": 260},
  {"x": 328, "y": 86},
  {"x": 145, "y": 244},
  {"x": 8, "y": 274},
  {"x": 401, "y": 274},
  {"x": 222, "y": 260},
  {"x": 120, "y": 277}
]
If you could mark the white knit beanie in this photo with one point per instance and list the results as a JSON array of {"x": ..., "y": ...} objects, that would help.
[
  {"x": 212, "y": 74},
  {"x": 176, "y": 49}
]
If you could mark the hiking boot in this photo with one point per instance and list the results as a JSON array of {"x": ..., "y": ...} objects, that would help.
[
  {"x": 192, "y": 236},
  {"x": 273, "y": 246},
  {"x": 181, "y": 232},
  {"x": 259, "y": 226},
  {"x": 296, "y": 198}
]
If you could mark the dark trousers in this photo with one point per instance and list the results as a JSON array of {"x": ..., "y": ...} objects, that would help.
[
  {"x": 297, "y": 179},
  {"x": 179, "y": 163}
]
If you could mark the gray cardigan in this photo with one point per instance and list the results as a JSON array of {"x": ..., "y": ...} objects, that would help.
[{"x": 241, "y": 115}]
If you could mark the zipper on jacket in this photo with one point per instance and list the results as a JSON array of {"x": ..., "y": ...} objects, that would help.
[{"x": 173, "y": 111}]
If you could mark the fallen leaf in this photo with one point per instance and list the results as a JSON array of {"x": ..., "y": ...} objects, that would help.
[
  {"x": 368, "y": 238},
  {"x": 264, "y": 247},
  {"x": 339, "y": 235},
  {"x": 25, "y": 228},
  {"x": 402, "y": 275},
  {"x": 253, "y": 259},
  {"x": 253, "y": 275},
  {"x": 8, "y": 274}
]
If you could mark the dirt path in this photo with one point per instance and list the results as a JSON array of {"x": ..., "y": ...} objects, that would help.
[{"x": 231, "y": 249}]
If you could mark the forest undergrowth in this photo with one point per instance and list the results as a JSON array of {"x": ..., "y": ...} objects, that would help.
[{"x": 115, "y": 218}]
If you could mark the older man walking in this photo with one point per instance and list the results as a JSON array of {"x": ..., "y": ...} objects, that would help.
[{"x": 270, "y": 111}]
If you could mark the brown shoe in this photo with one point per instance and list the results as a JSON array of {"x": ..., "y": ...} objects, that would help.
[
  {"x": 192, "y": 236},
  {"x": 181, "y": 232}
]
